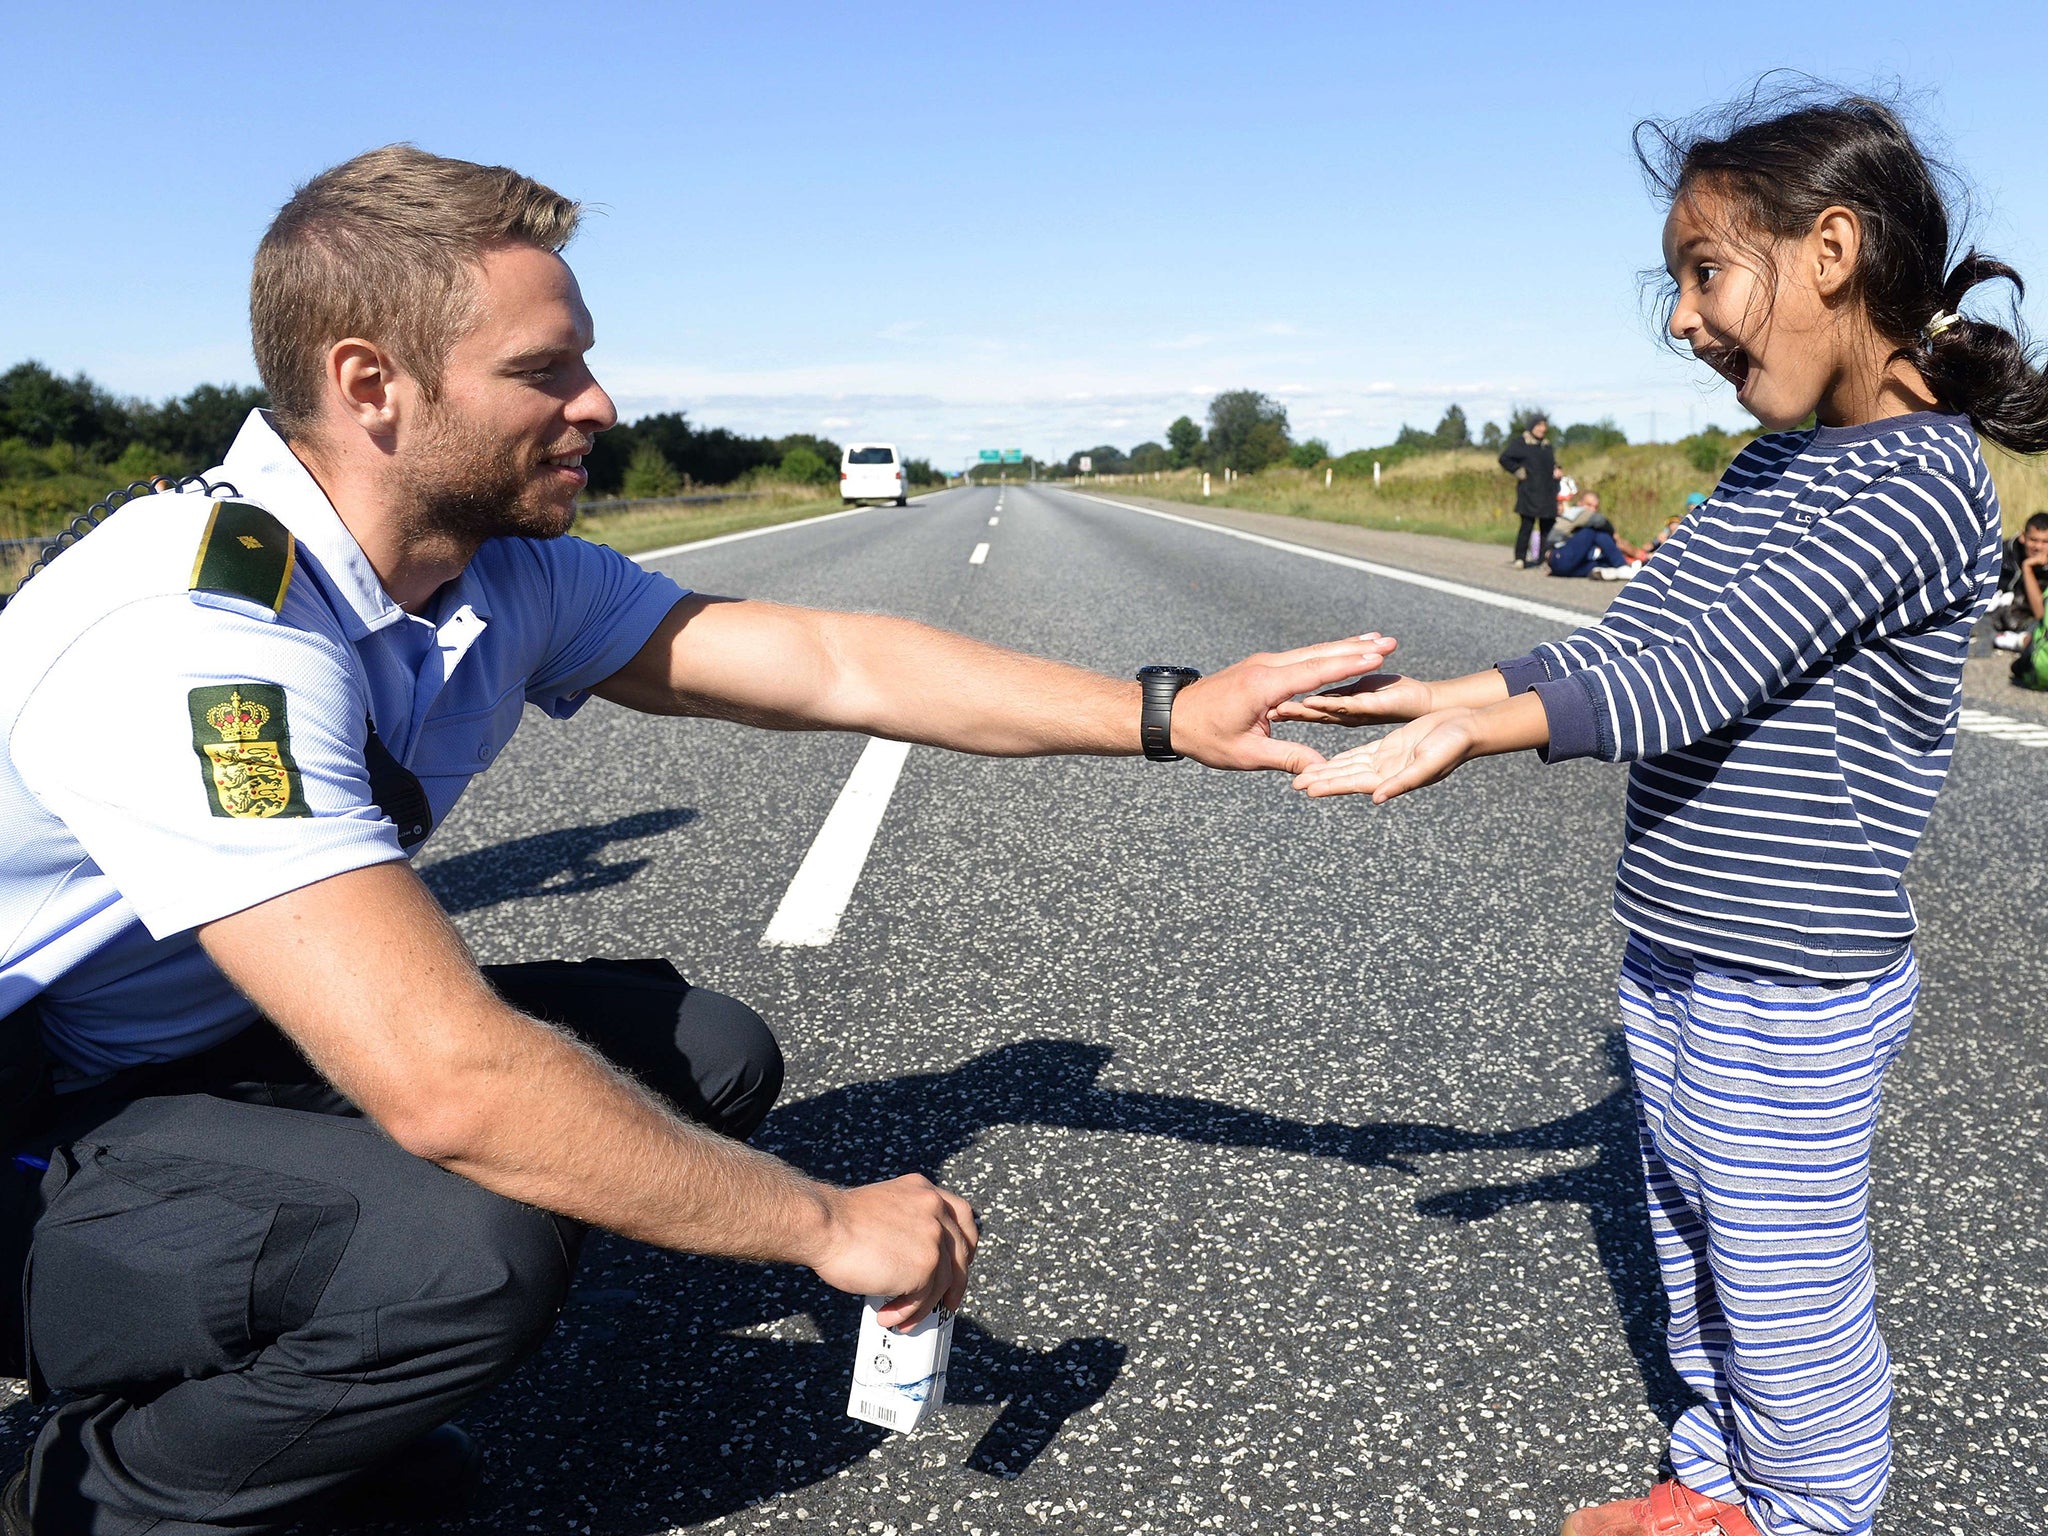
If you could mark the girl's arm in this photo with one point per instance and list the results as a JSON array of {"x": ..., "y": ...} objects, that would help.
[
  {"x": 1632, "y": 623},
  {"x": 1898, "y": 554},
  {"x": 1383, "y": 699},
  {"x": 1428, "y": 749}
]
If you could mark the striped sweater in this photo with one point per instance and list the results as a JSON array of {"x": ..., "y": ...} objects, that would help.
[{"x": 1784, "y": 675}]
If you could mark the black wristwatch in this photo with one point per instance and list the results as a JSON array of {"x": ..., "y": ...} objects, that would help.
[{"x": 1155, "y": 724}]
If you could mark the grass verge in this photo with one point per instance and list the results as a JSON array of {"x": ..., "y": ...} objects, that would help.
[
  {"x": 658, "y": 526},
  {"x": 1464, "y": 494},
  {"x": 628, "y": 532}
]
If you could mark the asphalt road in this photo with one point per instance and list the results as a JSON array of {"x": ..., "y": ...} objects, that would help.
[{"x": 1300, "y": 1129}]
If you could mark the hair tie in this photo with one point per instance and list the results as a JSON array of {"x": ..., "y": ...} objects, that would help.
[{"x": 1942, "y": 321}]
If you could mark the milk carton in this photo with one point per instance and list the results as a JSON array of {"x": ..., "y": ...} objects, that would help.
[{"x": 899, "y": 1377}]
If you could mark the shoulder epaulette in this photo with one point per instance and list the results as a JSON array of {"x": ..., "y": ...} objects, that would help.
[{"x": 245, "y": 553}]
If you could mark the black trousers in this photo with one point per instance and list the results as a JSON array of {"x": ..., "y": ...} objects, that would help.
[
  {"x": 249, "y": 1293},
  {"x": 1532, "y": 542}
]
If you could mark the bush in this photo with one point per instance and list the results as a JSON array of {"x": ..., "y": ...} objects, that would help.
[
  {"x": 649, "y": 474},
  {"x": 1309, "y": 454},
  {"x": 805, "y": 467},
  {"x": 1709, "y": 452},
  {"x": 1599, "y": 435}
]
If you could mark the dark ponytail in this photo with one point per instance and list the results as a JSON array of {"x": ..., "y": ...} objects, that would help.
[{"x": 1780, "y": 159}]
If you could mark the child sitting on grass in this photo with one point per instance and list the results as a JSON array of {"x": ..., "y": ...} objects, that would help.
[{"x": 1784, "y": 676}]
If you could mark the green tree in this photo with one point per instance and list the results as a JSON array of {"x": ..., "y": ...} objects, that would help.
[
  {"x": 1601, "y": 435},
  {"x": 1184, "y": 442},
  {"x": 1490, "y": 437},
  {"x": 1103, "y": 459},
  {"x": 1247, "y": 431},
  {"x": 199, "y": 426},
  {"x": 1309, "y": 454},
  {"x": 649, "y": 474},
  {"x": 1148, "y": 458},
  {"x": 1452, "y": 431},
  {"x": 920, "y": 472},
  {"x": 803, "y": 465},
  {"x": 1709, "y": 452},
  {"x": 40, "y": 407}
]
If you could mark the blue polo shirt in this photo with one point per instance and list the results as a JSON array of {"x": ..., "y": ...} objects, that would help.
[{"x": 173, "y": 755}]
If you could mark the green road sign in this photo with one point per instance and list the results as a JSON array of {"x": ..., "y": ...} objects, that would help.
[
  {"x": 1013, "y": 455},
  {"x": 991, "y": 455}
]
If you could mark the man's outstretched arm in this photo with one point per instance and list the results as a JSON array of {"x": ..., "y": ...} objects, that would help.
[
  {"x": 806, "y": 669},
  {"x": 369, "y": 979}
]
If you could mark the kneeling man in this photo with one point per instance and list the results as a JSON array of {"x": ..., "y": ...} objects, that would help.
[{"x": 300, "y": 1179}]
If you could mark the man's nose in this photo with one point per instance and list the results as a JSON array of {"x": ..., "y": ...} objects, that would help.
[{"x": 593, "y": 409}]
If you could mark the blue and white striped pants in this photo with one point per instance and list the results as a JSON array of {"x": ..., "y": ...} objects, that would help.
[{"x": 1756, "y": 1099}]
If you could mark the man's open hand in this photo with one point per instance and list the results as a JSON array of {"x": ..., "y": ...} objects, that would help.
[
  {"x": 905, "y": 1238},
  {"x": 1225, "y": 720},
  {"x": 1419, "y": 753}
]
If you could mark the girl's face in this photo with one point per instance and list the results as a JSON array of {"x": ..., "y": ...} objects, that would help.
[{"x": 1764, "y": 325}]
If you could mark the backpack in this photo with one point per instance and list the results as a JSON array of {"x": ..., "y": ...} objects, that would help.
[{"x": 2030, "y": 667}]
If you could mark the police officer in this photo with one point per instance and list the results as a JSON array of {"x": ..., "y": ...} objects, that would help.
[{"x": 300, "y": 1179}]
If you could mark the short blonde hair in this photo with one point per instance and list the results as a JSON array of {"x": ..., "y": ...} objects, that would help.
[{"x": 385, "y": 247}]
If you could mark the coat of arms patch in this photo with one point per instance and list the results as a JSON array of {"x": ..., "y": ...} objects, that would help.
[{"x": 244, "y": 743}]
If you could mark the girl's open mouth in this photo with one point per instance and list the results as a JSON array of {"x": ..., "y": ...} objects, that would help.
[{"x": 1732, "y": 363}]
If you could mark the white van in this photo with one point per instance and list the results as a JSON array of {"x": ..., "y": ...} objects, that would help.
[{"x": 873, "y": 472}]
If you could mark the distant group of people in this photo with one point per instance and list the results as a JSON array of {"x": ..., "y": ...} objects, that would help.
[
  {"x": 1587, "y": 542},
  {"x": 2017, "y": 608}
]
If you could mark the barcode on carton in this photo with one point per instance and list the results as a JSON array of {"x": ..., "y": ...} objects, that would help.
[{"x": 877, "y": 1412}]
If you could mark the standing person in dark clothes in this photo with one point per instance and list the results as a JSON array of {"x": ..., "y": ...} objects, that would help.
[{"x": 1533, "y": 463}]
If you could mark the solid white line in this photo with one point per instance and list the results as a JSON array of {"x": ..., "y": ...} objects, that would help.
[
  {"x": 980, "y": 554},
  {"x": 754, "y": 533},
  {"x": 816, "y": 899},
  {"x": 1570, "y": 616}
]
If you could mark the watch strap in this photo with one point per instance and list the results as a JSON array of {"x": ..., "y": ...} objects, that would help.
[{"x": 1155, "y": 721}]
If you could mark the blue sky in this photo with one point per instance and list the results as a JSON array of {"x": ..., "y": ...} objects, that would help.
[{"x": 1040, "y": 226}]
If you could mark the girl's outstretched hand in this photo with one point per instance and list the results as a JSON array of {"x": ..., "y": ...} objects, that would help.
[
  {"x": 1419, "y": 753},
  {"x": 1376, "y": 700}
]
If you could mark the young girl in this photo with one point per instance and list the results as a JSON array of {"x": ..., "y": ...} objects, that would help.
[{"x": 1784, "y": 676}]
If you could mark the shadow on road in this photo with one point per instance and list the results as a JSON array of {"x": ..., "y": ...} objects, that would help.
[
  {"x": 1611, "y": 1190},
  {"x": 680, "y": 1389},
  {"x": 564, "y": 862}
]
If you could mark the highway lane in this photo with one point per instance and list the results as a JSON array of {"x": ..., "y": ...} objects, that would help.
[{"x": 1306, "y": 1164}]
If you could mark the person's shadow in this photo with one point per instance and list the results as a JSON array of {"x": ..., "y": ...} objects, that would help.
[
  {"x": 750, "y": 1405},
  {"x": 564, "y": 862},
  {"x": 680, "y": 1389},
  {"x": 1611, "y": 1190}
]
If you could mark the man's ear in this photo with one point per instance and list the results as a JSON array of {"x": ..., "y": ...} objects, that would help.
[
  {"x": 366, "y": 385},
  {"x": 1835, "y": 245}
]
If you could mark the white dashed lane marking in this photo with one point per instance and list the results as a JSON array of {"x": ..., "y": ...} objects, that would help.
[
  {"x": 980, "y": 554},
  {"x": 1983, "y": 723},
  {"x": 816, "y": 899}
]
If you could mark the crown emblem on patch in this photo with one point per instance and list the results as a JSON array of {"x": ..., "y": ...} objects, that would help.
[{"x": 238, "y": 719}]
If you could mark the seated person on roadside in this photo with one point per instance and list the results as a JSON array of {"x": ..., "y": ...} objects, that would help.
[
  {"x": 315, "y": 1180},
  {"x": 2023, "y": 573},
  {"x": 1593, "y": 548}
]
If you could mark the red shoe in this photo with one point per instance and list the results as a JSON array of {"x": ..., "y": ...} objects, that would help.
[{"x": 1672, "y": 1509}]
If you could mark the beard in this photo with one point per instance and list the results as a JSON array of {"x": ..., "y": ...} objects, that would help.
[{"x": 468, "y": 485}]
